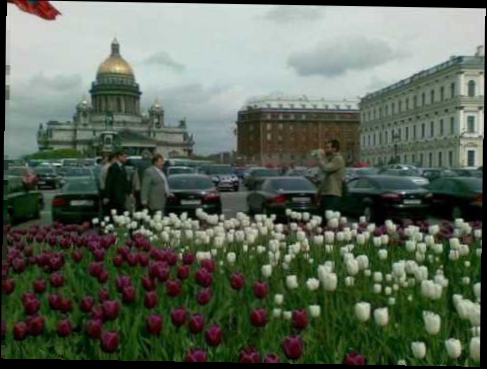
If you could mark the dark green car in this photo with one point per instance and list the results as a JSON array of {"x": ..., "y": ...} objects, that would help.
[{"x": 20, "y": 204}]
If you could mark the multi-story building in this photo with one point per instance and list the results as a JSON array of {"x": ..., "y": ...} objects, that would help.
[
  {"x": 113, "y": 119},
  {"x": 280, "y": 130},
  {"x": 432, "y": 119}
]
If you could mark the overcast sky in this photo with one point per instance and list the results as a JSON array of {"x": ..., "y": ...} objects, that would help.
[{"x": 204, "y": 61}]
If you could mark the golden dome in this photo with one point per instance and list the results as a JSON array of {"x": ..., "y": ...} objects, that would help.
[{"x": 115, "y": 64}]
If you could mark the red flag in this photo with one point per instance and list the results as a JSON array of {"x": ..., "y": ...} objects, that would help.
[{"x": 42, "y": 9}]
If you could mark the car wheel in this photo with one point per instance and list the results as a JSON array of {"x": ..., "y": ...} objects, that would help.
[{"x": 457, "y": 213}]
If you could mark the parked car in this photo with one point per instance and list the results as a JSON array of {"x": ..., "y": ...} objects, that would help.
[
  {"x": 399, "y": 167},
  {"x": 20, "y": 203},
  {"x": 275, "y": 195},
  {"x": 413, "y": 175},
  {"x": 353, "y": 173},
  {"x": 48, "y": 177},
  {"x": 77, "y": 172},
  {"x": 223, "y": 177},
  {"x": 190, "y": 192},
  {"x": 296, "y": 172},
  {"x": 258, "y": 175},
  {"x": 78, "y": 201},
  {"x": 239, "y": 172},
  {"x": 179, "y": 170},
  {"x": 314, "y": 175},
  {"x": 29, "y": 177},
  {"x": 468, "y": 173},
  {"x": 381, "y": 197},
  {"x": 458, "y": 197}
]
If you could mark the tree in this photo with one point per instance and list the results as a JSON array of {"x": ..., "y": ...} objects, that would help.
[{"x": 55, "y": 155}]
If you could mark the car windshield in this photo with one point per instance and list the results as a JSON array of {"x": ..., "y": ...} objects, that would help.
[
  {"x": 397, "y": 184},
  {"x": 180, "y": 170},
  {"x": 77, "y": 172},
  {"x": 45, "y": 171},
  {"x": 285, "y": 185},
  {"x": 190, "y": 183},
  {"x": 265, "y": 173},
  {"x": 219, "y": 171},
  {"x": 84, "y": 185},
  {"x": 297, "y": 172}
]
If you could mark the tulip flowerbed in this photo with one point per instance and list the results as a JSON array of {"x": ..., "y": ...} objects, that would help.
[{"x": 246, "y": 290}]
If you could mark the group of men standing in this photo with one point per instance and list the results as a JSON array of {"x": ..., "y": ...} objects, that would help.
[{"x": 147, "y": 188}]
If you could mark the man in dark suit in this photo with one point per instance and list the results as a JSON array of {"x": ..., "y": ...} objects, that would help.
[{"x": 117, "y": 188}]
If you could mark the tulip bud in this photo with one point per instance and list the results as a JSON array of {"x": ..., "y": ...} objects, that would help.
[
  {"x": 432, "y": 323},
  {"x": 381, "y": 317},
  {"x": 293, "y": 348},
  {"x": 475, "y": 349},
  {"x": 363, "y": 311},
  {"x": 292, "y": 282},
  {"x": 454, "y": 348},
  {"x": 419, "y": 350}
]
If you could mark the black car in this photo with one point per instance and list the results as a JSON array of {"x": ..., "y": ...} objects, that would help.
[
  {"x": 223, "y": 177},
  {"x": 77, "y": 202},
  {"x": 468, "y": 173},
  {"x": 190, "y": 192},
  {"x": 275, "y": 195},
  {"x": 48, "y": 177},
  {"x": 257, "y": 175},
  {"x": 381, "y": 197},
  {"x": 458, "y": 197}
]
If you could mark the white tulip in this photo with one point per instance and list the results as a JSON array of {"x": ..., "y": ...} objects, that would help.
[
  {"x": 313, "y": 284},
  {"x": 267, "y": 271},
  {"x": 474, "y": 315},
  {"x": 363, "y": 262},
  {"x": 432, "y": 323},
  {"x": 381, "y": 317},
  {"x": 383, "y": 254},
  {"x": 454, "y": 348},
  {"x": 477, "y": 290},
  {"x": 315, "y": 311},
  {"x": 330, "y": 282},
  {"x": 464, "y": 250},
  {"x": 353, "y": 267},
  {"x": 402, "y": 363},
  {"x": 411, "y": 246},
  {"x": 466, "y": 281},
  {"x": 454, "y": 255},
  {"x": 350, "y": 281},
  {"x": 292, "y": 282},
  {"x": 368, "y": 273},
  {"x": 399, "y": 269},
  {"x": 429, "y": 241},
  {"x": 340, "y": 237},
  {"x": 319, "y": 240},
  {"x": 377, "y": 289},
  {"x": 385, "y": 240},
  {"x": 363, "y": 311},
  {"x": 388, "y": 291},
  {"x": 479, "y": 253},
  {"x": 288, "y": 315},
  {"x": 454, "y": 243},
  {"x": 377, "y": 242},
  {"x": 438, "y": 248},
  {"x": 476, "y": 332},
  {"x": 361, "y": 239},
  {"x": 478, "y": 234},
  {"x": 378, "y": 277},
  {"x": 419, "y": 350},
  {"x": 277, "y": 313},
  {"x": 475, "y": 349},
  {"x": 391, "y": 301}
]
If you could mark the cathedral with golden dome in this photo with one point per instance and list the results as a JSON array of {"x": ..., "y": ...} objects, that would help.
[{"x": 113, "y": 119}]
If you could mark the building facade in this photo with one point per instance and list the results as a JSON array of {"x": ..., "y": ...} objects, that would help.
[
  {"x": 432, "y": 119},
  {"x": 285, "y": 130},
  {"x": 113, "y": 119}
]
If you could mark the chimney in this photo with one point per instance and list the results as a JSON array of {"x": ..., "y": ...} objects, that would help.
[{"x": 480, "y": 50}]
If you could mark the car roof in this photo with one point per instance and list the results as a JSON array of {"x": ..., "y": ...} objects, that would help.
[{"x": 190, "y": 175}]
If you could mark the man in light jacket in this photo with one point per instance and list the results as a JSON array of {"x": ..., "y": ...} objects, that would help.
[
  {"x": 155, "y": 188},
  {"x": 333, "y": 166}
]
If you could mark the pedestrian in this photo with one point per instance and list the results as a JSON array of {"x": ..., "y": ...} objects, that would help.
[
  {"x": 117, "y": 186},
  {"x": 155, "y": 188},
  {"x": 332, "y": 164},
  {"x": 140, "y": 169}
]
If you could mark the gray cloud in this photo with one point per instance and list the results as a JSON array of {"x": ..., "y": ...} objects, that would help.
[
  {"x": 283, "y": 14},
  {"x": 164, "y": 59},
  {"x": 59, "y": 83},
  {"x": 377, "y": 83},
  {"x": 333, "y": 60}
]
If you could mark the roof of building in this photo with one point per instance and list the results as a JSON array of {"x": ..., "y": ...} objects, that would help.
[
  {"x": 279, "y": 101},
  {"x": 115, "y": 64}
]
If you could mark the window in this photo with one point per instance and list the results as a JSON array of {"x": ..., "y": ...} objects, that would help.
[
  {"x": 407, "y": 133},
  {"x": 440, "y": 159},
  {"x": 423, "y": 130},
  {"x": 370, "y": 141},
  {"x": 423, "y": 99},
  {"x": 399, "y": 135},
  {"x": 280, "y": 116},
  {"x": 414, "y": 159},
  {"x": 452, "y": 125},
  {"x": 415, "y": 102},
  {"x": 421, "y": 159},
  {"x": 471, "y": 89},
  {"x": 269, "y": 126},
  {"x": 450, "y": 159},
  {"x": 432, "y": 96},
  {"x": 269, "y": 137},
  {"x": 393, "y": 108},
  {"x": 432, "y": 129},
  {"x": 380, "y": 138},
  {"x": 431, "y": 160},
  {"x": 375, "y": 138},
  {"x": 471, "y": 158},
  {"x": 452, "y": 90},
  {"x": 405, "y": 159},
  {"x": 471, "y": 124},
  {"x": 303, "y": 117},
  {"x": 415, "y": 129},
  {"x": 387, "y": 138},
  {"x": 407, "y": 103},
  {"x": 442, "y": 93},
  {"x": 400, "y": 106},
  {"x": 442, "y": 127}
]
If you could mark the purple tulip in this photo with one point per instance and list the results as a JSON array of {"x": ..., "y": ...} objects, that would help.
[
  {"x": 354, "y": 358},
  {"x": 154, "y": 325},
  {"x": 261, "y": 290},
  {"x": 178, "y": 317},
  {"x": 196, "y": 356},
  {"x": 293, "y": 348},
  {"x": 258, "y": 318},
  {"x": 197, "y": 324},
  {"x": 110, "y": 342},
  {"x": 249, "y": 356},
  {"x": 214, "y": 336}
]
